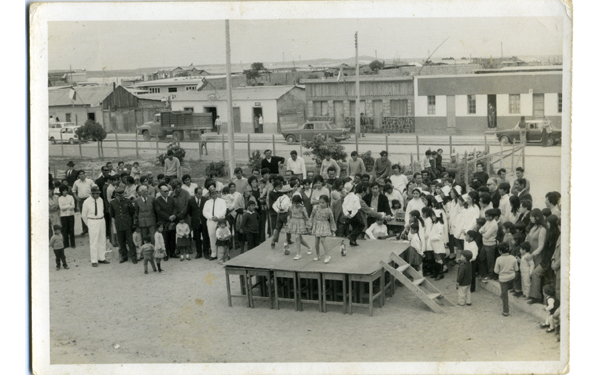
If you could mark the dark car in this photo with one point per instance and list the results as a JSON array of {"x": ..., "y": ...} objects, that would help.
[
  {"x": 533, "y": 133},
  {"x": 312, "y": 128}
]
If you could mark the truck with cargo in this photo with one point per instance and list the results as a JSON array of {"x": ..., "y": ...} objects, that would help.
[{"x": 178, "y": 124}]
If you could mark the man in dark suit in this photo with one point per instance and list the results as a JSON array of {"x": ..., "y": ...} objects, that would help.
[
  {"x": 71, "y": 173},
  {"x": 520, "y": 186},
  {"x": 524, "y": 212},
  {"x": 377, "y": 201},
  {"x": 195, "y": 207},
  {"x": 492, "y": 184},
  {"x": 164, "y": 208},
  {"x": 272, "y": 162},
  {"x": 122, "y": 212},
  {"x": 144, "y": 210}
]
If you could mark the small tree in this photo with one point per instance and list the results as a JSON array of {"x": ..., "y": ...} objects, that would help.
[
  {"x": 376, "y": 65},
  {"x": 254, "y": 72},
  {"x": 178, "y": 152},
  {"x": 319, "y": 146},
  {"x": 255, "y": 160},
  {"x": 93, "y": 131}
]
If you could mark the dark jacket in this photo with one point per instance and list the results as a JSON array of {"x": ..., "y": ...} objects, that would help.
[
  {"x": 463, "y": 275},
  {"x": 164, "y": 209},
  {"x": 495, "y": 199},
  {"x": 71, "y": 178},
  {"x": 273, "y": 165},
  {"x": 383, "y": 204},
  {"x": 145, "y": 212},
  {"x": 123, "y": 213},
  {"x": 195, "y": 212}
]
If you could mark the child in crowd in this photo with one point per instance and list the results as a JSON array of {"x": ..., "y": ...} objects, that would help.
[
  {"x": 160, "y": 251},
  {"x": 57, "y": 244},
  {"x": 471, "y": 245},
  {"x": 414, "y": 253},
  {"x": 514, "y": 244},
  {"x": 489, "y": 233},
  {"x": 508, "y": 230},
  {"x": 527, "y": 266},
  {"x": 136, "y": 172},
  {"x": 436, "y": 238},
  {"x": 121, "y": 168},
  {"x": 203, "y": 143},
  {"x": 137, "y": 241},
  {"x": 223, "y": 237},
  {"x": 298, "y": 223},
  {"x": 463, "y": 277},
  {"x": 377, "y": 230},
  {"x": 397, "y": 212},
  {"x": 551, "y": 304},
  {"x": 148, "y": 253},
  {"x": 182, "y": 235},
  {"x": 506, "y": 266},
  {"x": 323, "y": 225},
  {"x": 249, "y": 225}
]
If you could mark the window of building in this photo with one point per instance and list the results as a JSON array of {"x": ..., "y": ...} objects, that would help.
[
  {"x": 189, "y": 88},
  {"x": 514, "y": 103},
  {"x": 559, "y": 102},
  {"x": 431, "y": 105},
  {"x": 399, "y": 107},
  {"x": 321, "y": 109},
  {"x": 154, "y": 90},
  {"x": 67, "y": 117},
  {"x": 472, "y": 107},
  {"x": 190, "y": 109},
  {"x": 172, "y": 89}
]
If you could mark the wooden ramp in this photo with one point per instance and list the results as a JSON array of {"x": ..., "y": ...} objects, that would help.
[{"x": 416, "y": 283}]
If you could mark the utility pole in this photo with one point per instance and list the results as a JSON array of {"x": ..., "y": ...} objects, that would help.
[
  {"x": 230, "y": 121},
  {"x": 357, "y": 112}
]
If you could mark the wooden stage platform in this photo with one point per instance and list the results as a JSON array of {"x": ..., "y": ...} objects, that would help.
[{"x": 357, "y": 279}]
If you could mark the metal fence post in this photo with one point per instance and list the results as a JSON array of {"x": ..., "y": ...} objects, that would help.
[
  {"x": 273, "y": 144},
  {"x": 249, "y": 153},
  {"x": 386, "y": 144},
  {"x": 418, "y": 151},
  {"x": 466, "y": 170},
  {"x": 300, "y": 145},
  {"x": 62, "y": 145},
  {"x": 501, "y": 155},
  {"x": 137, "y": 153},
  {"x": 117, "y": 139},
  {"x": 80, "y": 153},
  {"x": 223, "y": 145},
  {"x": 450, "y": 145}
]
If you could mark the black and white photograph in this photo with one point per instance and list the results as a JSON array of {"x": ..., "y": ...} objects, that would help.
[{"x": 342, "y": 187}]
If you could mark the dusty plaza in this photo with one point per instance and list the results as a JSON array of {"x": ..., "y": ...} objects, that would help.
[{"x": 380, "y": 188}]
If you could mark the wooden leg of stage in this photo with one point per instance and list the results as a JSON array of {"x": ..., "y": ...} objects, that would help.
[
  {"x": 344, "y": 294},
  {"x": 321, "y": 295},
  {"x": 371, "y": 297},
  {"x": 350, "y": 296},
  {"x": 228, "y": 288},
  {"x": 269, "y": 290},
  {"x": 276, "y": 293},
  {"x": 296, "y": 293},
  {"x": 325, "y": 295},
  {"x": 382, "y": 289}
]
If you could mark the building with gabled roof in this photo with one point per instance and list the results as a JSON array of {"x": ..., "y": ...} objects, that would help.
[
  {"x": 86, "y": 105},
  {"x": 124, "y": 109}
]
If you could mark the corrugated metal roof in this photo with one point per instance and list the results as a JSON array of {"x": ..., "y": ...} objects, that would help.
[
  {"x": 178, "y": 81},
  {"x": 91, "y": 96},
  {"x": 238, "y": 93}
]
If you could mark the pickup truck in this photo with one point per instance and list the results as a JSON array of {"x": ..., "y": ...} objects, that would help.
[{"x": 178, "y": 124}]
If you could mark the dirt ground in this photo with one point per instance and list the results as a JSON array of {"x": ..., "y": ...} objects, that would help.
[{"x": 182, "y": 316}]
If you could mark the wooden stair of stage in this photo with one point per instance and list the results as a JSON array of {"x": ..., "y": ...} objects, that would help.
[{"x": 419, "y": 285}]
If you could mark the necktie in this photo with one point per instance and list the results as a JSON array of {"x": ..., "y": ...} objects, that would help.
[{"x": 95, "y": 207}]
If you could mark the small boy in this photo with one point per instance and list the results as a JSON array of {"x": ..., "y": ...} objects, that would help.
[
  {"x": 488, "y": 232},
  {"x": 471, "y": 245},
  {"x": 250, "y": 226},
  {"x": 203, "y": 142},
  {"x": 506, "y": 267},
  {"x": 57, "y": 244},
  {"x": 137, "y": 241},
  {"x": 527, "y": 266},
  {"x": 148, "y": 253},
  {"x": 463, "y": 277}
]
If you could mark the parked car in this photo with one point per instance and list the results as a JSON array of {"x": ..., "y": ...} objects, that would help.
[
  {"x": 66, "y": 129},
  {"x": 533, "y": 133},
  {"x": 312, "y": 128}
]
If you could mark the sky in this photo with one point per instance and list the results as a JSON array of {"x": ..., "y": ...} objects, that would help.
[{"x": 97, "y": 45}]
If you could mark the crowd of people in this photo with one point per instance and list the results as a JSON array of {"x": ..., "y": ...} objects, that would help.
[{"x": 488, "y": 226}]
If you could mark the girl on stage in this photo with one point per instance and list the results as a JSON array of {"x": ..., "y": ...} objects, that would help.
[
  {"x": 323, "y": 225},
  {"x": 298, "y": 222}
]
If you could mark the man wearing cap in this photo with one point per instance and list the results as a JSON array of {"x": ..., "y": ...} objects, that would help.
[
  {"x": 382, "y": 168},
  {"x": 214, "y": 209},
  {"x": 144, "y": 211},
  {"x": 122, "y": 212},
  {"x": 271, "y": 162},
  {"x": 296, "y": 165},
  {"x": 70, "y": 173},
  {"x": 82, "y": 189},
  {"x": 92, "y": 213}
]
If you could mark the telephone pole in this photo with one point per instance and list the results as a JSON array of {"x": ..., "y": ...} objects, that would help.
[
  {"x": 230, "y": 121},
  {"x": 357, "y": 107}
]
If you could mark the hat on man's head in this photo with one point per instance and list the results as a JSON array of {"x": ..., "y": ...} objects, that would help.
[
  {"x": 70, "y": 164},
  {"x": 285, "y": 189},
  {"x": 95, "y": 189},
  {"x": 119, "y": 190}
]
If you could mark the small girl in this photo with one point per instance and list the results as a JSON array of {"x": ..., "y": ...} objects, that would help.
[
  {"x": 323, "y": 225},
  {"x": 397, "y": 212},
  {"x": 160, "y": 251},
  {"x": 136, "y": 172},
  {"x": 298, "y": 223},
  {"x": 526, "y": 267},
  {"x": 182, "y": 235},
  {"x": 436, "y": 240},
  {"x": 414, "y": 253},
  {"x": 428, "y": 251},
  {"x": 223, "y": 237},
  {"x": 137, "y": 241},
  {"x": 551, "y": 304}
]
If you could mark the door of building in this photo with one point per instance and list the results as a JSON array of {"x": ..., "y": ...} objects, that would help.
[
  {"x": 213, "y": 111},
  {"x": 338, "y": 112},
  {"x": 256, "y": 115},
  {"x": 538, "y": 105},
  {"x": 451, "y": 111},
  {"x": 377, "y": 113},
  {"x": 236, "y": 120}
]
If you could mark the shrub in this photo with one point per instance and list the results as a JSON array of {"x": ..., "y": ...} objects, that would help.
[
  {"x": 219, "y": 168},
  {"x": 318, "y": 146},
  {"x": 178, "y": 152},
  {"x": 368, "y": 159},
  {"x": 255, "y": 160}
]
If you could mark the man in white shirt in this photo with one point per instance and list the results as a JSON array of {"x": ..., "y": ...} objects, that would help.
[
  {"x": 282, "y": 206},
  {"x": 504, "y": 206},
  {"x": 92, "y": 214},
  {"x": 350, "y": 208},
  {"x": 296, "y": 165},
  {"x": 82, "y": 190},
  {"x": 241, "y": 182},
  {"x": 214, "y": 209}
]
